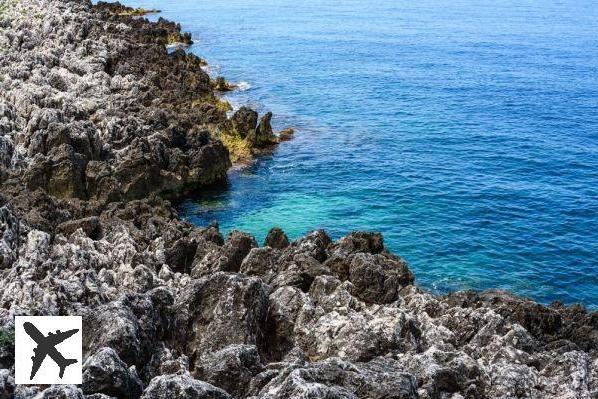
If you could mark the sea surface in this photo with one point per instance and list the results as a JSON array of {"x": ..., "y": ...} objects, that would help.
[{"x": 465, "y": 131}]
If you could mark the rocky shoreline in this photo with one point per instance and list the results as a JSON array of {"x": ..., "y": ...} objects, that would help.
[{"x": 99, "y": 127}]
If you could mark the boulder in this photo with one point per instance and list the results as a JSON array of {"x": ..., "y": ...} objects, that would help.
[
  {"x": 245, "y": 121},
  {"x": 219, "y": 310},
  {"x": 276, "y": 239},
  {"x": 181, "y": 386},
  {"x": 104, "y": 372},
  {"x": 231, "y": 368}
]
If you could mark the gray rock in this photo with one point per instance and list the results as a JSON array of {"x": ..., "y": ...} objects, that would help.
[
  {"x": 9, "y": 237},
  {"x": 378, "y": 278},
  {"x": 227, "y": 258},
  {"x": 60, "y": 392},
  {"x": 7, "y": 384},
  {"x": 231, "y": 368},
  {"x": 335, "y": 378},
  {"x": 98, "y": 125},
  {"x": 220, "y": 310},
  {"x": 104, "y": 372},
  {"x": 182, "y": 387}
]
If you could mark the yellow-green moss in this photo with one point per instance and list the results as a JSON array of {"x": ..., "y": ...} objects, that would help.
[
  {"x": 174, "y": 38},
  {"x": 223, "y": 105},
  {"x": 137, "y": 12},
  {"x": 238, "y": 148},
  {"x": 220, "y": 103}
]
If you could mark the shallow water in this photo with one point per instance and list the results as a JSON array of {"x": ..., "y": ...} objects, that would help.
[{"x": 465, "y": 131}]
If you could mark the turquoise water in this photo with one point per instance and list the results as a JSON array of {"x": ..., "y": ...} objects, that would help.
[{"x": 465, "y": 131}]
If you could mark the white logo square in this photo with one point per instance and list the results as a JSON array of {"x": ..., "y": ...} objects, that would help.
[{"x": 48, "y": 349}]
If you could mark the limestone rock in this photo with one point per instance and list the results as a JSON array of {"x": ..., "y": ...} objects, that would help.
[
  {"x": 104, "y": 372},
  {"x": 231, "y": 368},
  {"x": 182, "y": 387}
]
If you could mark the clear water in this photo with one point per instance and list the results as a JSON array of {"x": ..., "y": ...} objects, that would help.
[{"x": 465, "y": 131}]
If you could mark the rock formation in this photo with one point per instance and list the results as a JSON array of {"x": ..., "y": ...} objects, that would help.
[{"x": 99, "y": 128}]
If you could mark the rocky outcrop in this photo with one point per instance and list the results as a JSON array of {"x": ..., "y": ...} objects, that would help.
[
  {"x": 283, "y": 322},
  {"x": 99, "y": 126},
  {"x": 92, "y": 105}
]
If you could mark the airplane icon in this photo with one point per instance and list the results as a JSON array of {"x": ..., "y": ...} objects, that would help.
[{"x": 46, "y": 346}]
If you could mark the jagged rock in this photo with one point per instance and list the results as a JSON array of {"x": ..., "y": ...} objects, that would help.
[
  {"x": 231, "y": 368},
  {"x": 7, "y": 384},
  {"x": 378, "y": 278},
  {"x": 182, "y": 387},
  {"x": 130, "y": 326},
  {"x": 245, "y": 121},
  {"x": 7, "y": 347},
  {"x": 166, "y": 361},
  {"x": 360, "y": 241},
  {"x": 220, "y": 310},
  {"x": 276, "y": 238},
  {"x": 286, "y": 134},
  {"x": 104, "y": 372},
  {"x": 263, "y": 133},
  {"x": 89, "y": 225},
  {"x": 220, "y": 84},
  {"x": 60, "y": 392},
  {"x": 260, "y": 262},
  {"x": 335, "y": 378},
  {"x": 9, "y": 237},
  {"x": 228, "y": 258}
]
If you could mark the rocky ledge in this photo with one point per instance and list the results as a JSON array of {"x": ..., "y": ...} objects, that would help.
[{"x": 99, "y": 126}]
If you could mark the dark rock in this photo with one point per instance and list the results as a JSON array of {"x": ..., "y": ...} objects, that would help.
[
  {"x": 245, "y": 121},
  {"x": 263, "y": 133},
  {"x": 89, "y": 225},
  {"x": 231, "y": 368},
  {"x": 7, "y": 384},
  {"x": 361, "y": 242},
  {"x": 227, "y": 258},
  {"x": 286, "y": 134},
  {"x": 104, "y": 372},
  {"x": 222, "y": 85},
  {"x": 276, "y": 238},
  {"x": 10, "y": 233},
  {"x": 260, "y": 262},
  {"x": 378, "y": 279}
]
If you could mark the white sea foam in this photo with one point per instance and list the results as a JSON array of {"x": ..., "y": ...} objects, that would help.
[
  {"x": 176, "y": 46},
  {"x": 243, "y": 86}
]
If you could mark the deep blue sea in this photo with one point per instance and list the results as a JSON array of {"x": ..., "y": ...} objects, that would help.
[{"x": 465, "y": 131}]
